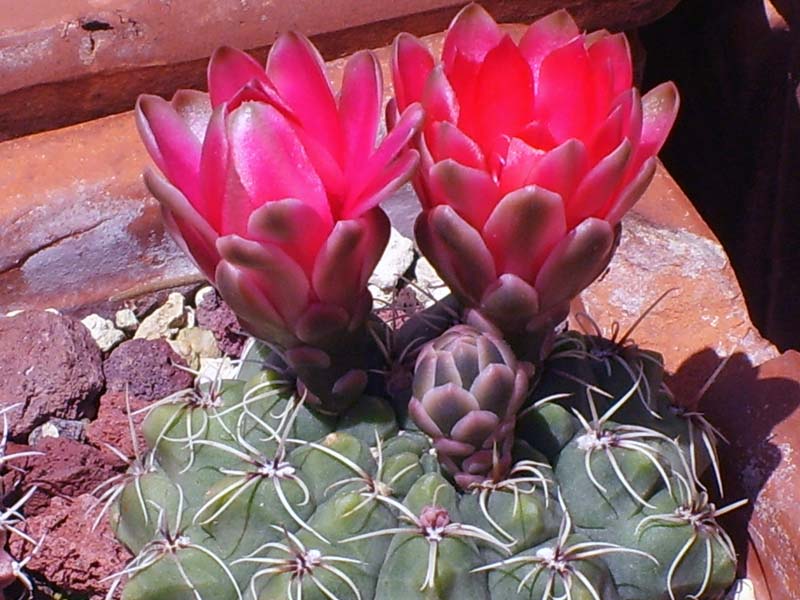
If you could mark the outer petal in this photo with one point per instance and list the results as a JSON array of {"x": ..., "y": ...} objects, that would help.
[
  {"x": 447, "y": 404},
  {"x": 521, "y": 159},
  {"x": 546, "y": 35},
  {"x": 439, "y": 99},
  {"x": 613, "y": 70},
  {"x": 509, "y": 301},
  {"x": 269, "y": 268},
  {"x": 599, "y": 185},
  {"x": 360, "y": 102},
  {"x": 561, "y": 169},
  {"x": 347, "y": 258},
  {"x": 457, "y": 252},
  {"x": 472, "y": 34},
  {"x": 448, "y": 141},
  {"x": 194, "y": 108},
  {"x": 411, "y": 64},
  {"x": 293, "y": 225},
  {"x": 471, "y": 192},
  {"x": 574, "y": 263},
  {"x": 171, "y": 143},
  {"x": 229, "y": 70},
  {"x": 660, "y": 106},
  {"x": 187, "y": 227},
  {"x": 270, "y": 161},
  {"x": 632, "y": 192},
  {"x": 388, "y": 181},
  {"x": 297, "y": 70},
  {"x": 523, "y": 229},
  {"x": 214, "y": 176}
]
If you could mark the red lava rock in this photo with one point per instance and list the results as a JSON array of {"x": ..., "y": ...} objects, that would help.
[
  {"x": 112, "y": 427},
  {"x": 51, "y": 366},
  {"x": 66, "y": 469},
  {"x": 146, "y": 369},
  {"x": 74, "y": 557},
  {"x": 213, "y": 314}
]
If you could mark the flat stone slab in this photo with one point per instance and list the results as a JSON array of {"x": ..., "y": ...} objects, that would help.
[{"x": 67, "y": 61}]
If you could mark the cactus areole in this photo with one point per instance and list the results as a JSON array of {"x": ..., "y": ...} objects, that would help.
[{"x": 509, "y": 460}]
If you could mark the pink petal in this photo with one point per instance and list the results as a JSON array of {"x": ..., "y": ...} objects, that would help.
[
  {"x": 504, "y": 96},
  {"x": 545, "y": 35},
  {"x": 537, "y": 135},
  {"x": 457, "y": 252},
  {"x": 574, "y": 263},
  {"x": 388, "y": 181},
  {"x": 521, "y": 159},
  {"x": 170, "y": 142},
  {"x": 194, "y": 108},
  {"x": 471, "y": 192},
  {"x": 448, "y": 141},
  {"x": 347, "y": 258},
  {"x": 297, "y": 70},
  {"x": 439, "y": 100},
  {"x": 292, "y": 225},
  {"x": 613, "y": 71},
  {"x": 214, "y": 172},
  {"x": 472, "y": 34},
  {"x": 564, "y": 91},
  {"x": 509, "y": 301},
  {"x": 607, "y": 136},
  {"x": 523, "y": 229},
  {"x": 411, "y": 64},
  {"x": 561, "y": 169},
  {"x": 360, "y": 103},
  {"x": 271, "y": 271},
  {"x": 660, "y": 107},
  {"x": 596, "y": 189},
  {"x": 379, "y": 171},
  {"x": 270, "y": 161},
  {"x": 632, "y": 191},
  {"x": 229, "y": 70},
  {"x": 188, "y": 228}
]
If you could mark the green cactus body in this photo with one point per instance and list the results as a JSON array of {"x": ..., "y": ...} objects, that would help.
[{"x": 253, "y": 495}]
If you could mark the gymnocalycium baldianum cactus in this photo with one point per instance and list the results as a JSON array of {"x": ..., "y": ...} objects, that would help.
[{"x": 506, "y": 467}]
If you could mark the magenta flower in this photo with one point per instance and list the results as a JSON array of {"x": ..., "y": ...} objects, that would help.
[
  {"x": 531, "y": 153},
  {"x": 273, "y": 187}
]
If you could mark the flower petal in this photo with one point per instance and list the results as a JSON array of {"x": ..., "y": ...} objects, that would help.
[
  {"x": 411, "y": 64},
  {"x": 546, "y": 35},
  {"x": 523, "y": 229},
  {"x": 187, "y": 227},
  {"x": 348, "y": 257},
  {"x": 293, "y": 225},
  {"x": 360, "y": 103},
  {"x": 447, "y": 404},
  {"x": 471, "y": 192},
  {"x": 613, "y": 70},
  {"x": 565, "y": 92},
  {"x": 389, "y": 180},
  {"x": 297, "y": 70},
  {"x": 521, "y": 159},
  {"x": 457, "y": 252},
  {"x": 575, "y": 262},
  {"x": 597, "y": 188},
  {"x": 439, "y": 99},
  {"x": 229, "y": 70},
  {"x": 472, "y": 34},
  {"x": 171, "y": 143},
  {"x": 561, "y": 169},
  {"x": 271, "y": 271},
  {"x": 448, "y": 141},
  {"x": 632, "y": 191},
  {"x": 509, "y": 301},
  {"x": 660, "y": 107},
  {"x": 194, "y": 107},
  {"x": 476, "y": 426},
  {"x": 270, "y": 161},
  {"x": 214, "y": 174}
]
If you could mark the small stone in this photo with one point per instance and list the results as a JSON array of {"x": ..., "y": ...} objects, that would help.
[
  {"x": 147, "y": 369},
  {"x": 103, "y": 331},
  {"x": 432, "y": 286},
  {"x": 216, "y": 316},
  {"x": 56, "y": 428},
  {"x": 201, "y": 293},
  {"x": 49, "y": 367},
  {"x": 194, "y": 343},
  {"x": 76, "y": 556},
  {"x": 212, "y": 369},
  {"x": 126, "y": 320},
  {"x": 396, "y": 260},
  {"x": 165, "y": 321}
]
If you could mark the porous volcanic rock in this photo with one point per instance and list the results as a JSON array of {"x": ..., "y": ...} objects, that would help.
[
  {"x": 74, "y": 556},
  {"x": 213, "y": 314},
  {"x": 147, "y": 369},
  {"x": 112, "y": 427},
  {"x": 65, "y": 469},
  {"x": 50, "y": 366}
]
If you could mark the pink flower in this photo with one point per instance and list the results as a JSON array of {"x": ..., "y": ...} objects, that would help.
[
  {"x": 531, "y": 153},
  {"x": 273, "y": 186}
]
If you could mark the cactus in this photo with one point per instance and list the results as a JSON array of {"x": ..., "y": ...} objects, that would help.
[{"x": 247, "y": 493}]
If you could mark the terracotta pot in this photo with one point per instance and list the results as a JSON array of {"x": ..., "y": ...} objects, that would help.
[{"x": 64, "y": 62}]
